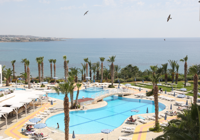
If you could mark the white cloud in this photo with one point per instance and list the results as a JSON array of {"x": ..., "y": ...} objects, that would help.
[{"x": 140, "y": 3}]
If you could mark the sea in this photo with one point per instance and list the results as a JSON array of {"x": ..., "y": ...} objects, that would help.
[{"x": 141, "y": 52}]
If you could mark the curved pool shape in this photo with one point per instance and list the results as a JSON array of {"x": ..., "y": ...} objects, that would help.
[
  {"x": 108, "y": 117},
  {"x": 82, "y": 93}
]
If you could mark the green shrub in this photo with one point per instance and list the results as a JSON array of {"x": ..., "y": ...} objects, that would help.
[
  {"x": 120, "y": 80},
  {"x": 130, "y": 80},
  {"x": 150, "y": 93},
  {"x": 111, "y": 86},
  {"x": 52, "y": 81},
  {"x": 42, "y": 85},
  {"x": 57, "y": 81}
]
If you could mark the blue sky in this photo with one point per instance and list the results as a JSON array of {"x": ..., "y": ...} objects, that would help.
[{"x": 106, "y": 18}]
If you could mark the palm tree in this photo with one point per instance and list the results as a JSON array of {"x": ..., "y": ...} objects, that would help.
[
  {"x": 90, "y": 66},
  {"x": 78, "y": 87},
  {"x": 39, "y": 67},
  {"x": 65, "y": 89},
  {"x": 94, "y": 70},
  {"x": 155, "y": 92},
  {"x": 65, "y": 67},
  {"x": 51, "y": 61},
  {"x": 106, "y": 73},
  {"x": 13, "y": 64},
  {"x": 102, "y": 59},
  {"x": 164, "y": 66},
  {"x": 185, "y": 127},
  {"x": 23, "y": 61},
  {"x": 185, "y": 68},
  {"x": 86, "y": 61},
  {"x": 117, "y": 69},
  {"x": 153, "y": 69},
  {"x": 194, "y": 70},
  {"x": 54, "y": 62},
  {"x": 71, "y": 90},
  {"x": 98, "y": 67},
  {"x": 173, "y": 65},
  {"x": 112, "y": 60},
  {"x": 81, "y": 71},
  {"x": 28, "y": 73},
  {"x": 42, "y": 67},
  {"x": 74, "y": 73},
  {"x": 8, "y": 75},
  {"x": 177, "y": 68},
  {"x": 84, "y": 67}
]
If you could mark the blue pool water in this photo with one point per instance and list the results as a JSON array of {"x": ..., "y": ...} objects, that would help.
[
  {"x": 82, "y": 93},
  {"x": 108, "y": 117}
]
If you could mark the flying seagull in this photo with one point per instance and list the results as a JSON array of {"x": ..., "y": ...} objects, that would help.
[
  {"x": 86, "y": 13},
  {"x": 169, "y": 17}
]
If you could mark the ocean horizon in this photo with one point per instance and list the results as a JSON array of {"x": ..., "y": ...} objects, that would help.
[{"x": 141, "y": 52}]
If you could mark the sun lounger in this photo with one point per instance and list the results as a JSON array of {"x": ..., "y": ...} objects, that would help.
[
  {"x": 150, "y": 118},
  {"x": 142, "y": 121},
  {"x": 128, "y": 129},
  {"x": 124, "y": 138}
]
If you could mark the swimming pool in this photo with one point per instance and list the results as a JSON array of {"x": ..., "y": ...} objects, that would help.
[
  {"x": 108, "y": 117},
  {"x": 82, "y": 93}
]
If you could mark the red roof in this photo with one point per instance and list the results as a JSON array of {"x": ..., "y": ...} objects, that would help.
[{"x": 84, "y": 100}]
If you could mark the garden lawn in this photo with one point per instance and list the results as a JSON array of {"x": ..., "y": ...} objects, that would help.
[{"x": 168, "y": 89}]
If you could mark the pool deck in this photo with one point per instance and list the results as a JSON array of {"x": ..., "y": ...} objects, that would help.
[{"x": 141, "y": 130}]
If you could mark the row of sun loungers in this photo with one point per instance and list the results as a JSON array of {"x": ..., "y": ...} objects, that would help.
[{"x": 128, "y": 129}]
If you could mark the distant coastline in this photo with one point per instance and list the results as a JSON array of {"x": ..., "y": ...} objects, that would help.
[{"x": 27, "y": 38}]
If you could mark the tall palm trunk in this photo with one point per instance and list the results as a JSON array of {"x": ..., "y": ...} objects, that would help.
[
  {"x": 185, "y": 73},
  {"x": 42, "y": 66},
  {"x": 97, "y": 74},
  {"x": 156, "y": 104},
  {"x": 28, "y": 77},
  {"x": 25, "y": 71},
  {"x": 51, "y": 69},
  {"x": 77, "y": 97},
  {"x": 195, "y": 88},
  {"x": 94, "y": 77},
  {"x": 102, "y": 72},
  {"x": 72, "y": 99},
  {"x": 166, "y": 78},
  {"x": 84, "y": 76},
  {"x": 112, "y": 73},
  {"x": 86, "y": 69},
  {"x": 172, "y": 77},
  {"x": 13, "y": 71},
  {"x": 54, "y": 70},
  {"x": 90, "y": 74},
  {"x": 66, "y": 112},
  {"x": 176, "y": 78},
  {"x": 39, "y": 72},
  {"x": 65, "y": 70},
  {"x": 153, "y": 82}
]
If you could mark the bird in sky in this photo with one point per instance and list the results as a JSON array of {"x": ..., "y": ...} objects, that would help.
[
  {"x": 169, "y": 17},
  {"x": 86, "y": 13}
]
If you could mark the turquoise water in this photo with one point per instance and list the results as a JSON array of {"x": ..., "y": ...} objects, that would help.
[
  {"x": 142, "y": 52},
  {"x": 82, "y": 93},
  {"x": 108, "y": 117}
]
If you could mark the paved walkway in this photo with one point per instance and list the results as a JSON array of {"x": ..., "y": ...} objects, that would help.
[{"x": 14, "y": 131}]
